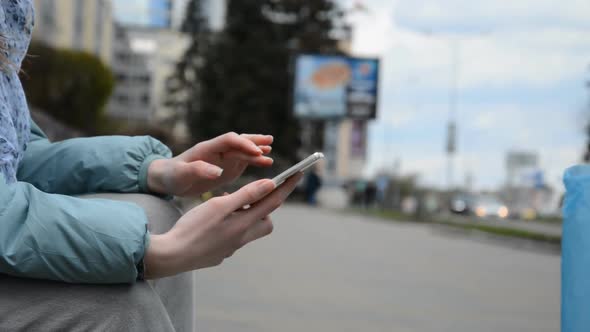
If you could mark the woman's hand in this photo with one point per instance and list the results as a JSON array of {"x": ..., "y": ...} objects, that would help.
[
  {"x": 214, "y": 230},
  {"x": 209, "y": 164}
]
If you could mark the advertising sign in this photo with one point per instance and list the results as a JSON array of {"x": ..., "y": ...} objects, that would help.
[{"x": 334, "y": 86}]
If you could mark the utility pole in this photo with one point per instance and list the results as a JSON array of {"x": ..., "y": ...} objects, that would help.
[{"x": 452, "y": 125}]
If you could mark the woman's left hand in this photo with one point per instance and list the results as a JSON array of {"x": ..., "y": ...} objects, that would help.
[{"x": 209, "y": 164}]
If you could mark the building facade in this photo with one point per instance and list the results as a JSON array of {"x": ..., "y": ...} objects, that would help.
[
  {"x": 76, "y": 24},
  {"x": 144, "y": 58},
  {"x": 131, "y": 99}
]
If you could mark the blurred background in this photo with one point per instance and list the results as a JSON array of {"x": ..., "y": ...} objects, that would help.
[{"x": 446, "y": 126}]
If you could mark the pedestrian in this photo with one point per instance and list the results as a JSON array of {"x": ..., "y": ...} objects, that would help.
[
  {"x": 370, "y": 195},
  {"x": 382, "y": 186},
  {"x": 313, "y": 183},
  {"x": 47, "y": 233}
]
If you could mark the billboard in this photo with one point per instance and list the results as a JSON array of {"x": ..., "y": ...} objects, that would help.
[{"x": 335, "y": 86}]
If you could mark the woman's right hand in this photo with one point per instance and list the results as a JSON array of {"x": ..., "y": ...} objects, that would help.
[{"x": 214, "y": 230}]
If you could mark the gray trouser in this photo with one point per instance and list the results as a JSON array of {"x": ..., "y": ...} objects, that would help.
[{"x": 162, "y": 305}]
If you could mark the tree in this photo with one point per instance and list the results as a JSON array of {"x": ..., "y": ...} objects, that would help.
[
  {"x": 183, "y": 86},
  {"x": 243, "y": 82},
  {"x": 72, "y": 86}
]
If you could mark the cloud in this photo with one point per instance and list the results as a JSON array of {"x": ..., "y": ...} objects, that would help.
[
  {"x": 536, "y": 53},
  {"x": 486, "y": 120},
  {"x": 521, "y": 73},
  {"x": 486, "y": 132},
  {"x": 402, "y": 116},
  {"x": 373, "y": 30},
  {"x": 465, "y": 15}
]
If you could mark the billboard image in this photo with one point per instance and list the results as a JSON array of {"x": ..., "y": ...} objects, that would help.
[{"x": 334, "y": 86}]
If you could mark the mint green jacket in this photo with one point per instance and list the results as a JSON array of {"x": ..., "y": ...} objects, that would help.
[{"x": 48, "y": 234}]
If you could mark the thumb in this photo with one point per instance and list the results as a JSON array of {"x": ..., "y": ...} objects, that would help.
[
  {"x": 250, "y": 194},
  {"x": 201, "y": 169}
]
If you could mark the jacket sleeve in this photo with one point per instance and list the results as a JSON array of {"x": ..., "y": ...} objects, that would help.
[
  {"x": 86, "y": 165},
  {"x": 55, "y": 237}
]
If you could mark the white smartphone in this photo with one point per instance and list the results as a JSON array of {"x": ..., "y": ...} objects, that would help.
[{"x": 299, "y": 167}]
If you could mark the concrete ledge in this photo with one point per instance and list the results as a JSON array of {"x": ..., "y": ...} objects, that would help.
[{"x": 162, "y": 305}]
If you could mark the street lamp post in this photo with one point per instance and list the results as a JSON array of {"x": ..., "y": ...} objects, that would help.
[
  {"x": 451, "y": 139},
  {"x": 452, "y": 124}
]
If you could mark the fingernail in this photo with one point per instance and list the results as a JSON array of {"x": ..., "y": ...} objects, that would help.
[
  {"x": 266, "y": 187},
  {"x": 259, "y": 150},
  {"x": 214, "y": 171}
]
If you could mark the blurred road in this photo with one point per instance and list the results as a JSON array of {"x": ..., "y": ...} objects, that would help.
[{"x": 324, "y": 271}]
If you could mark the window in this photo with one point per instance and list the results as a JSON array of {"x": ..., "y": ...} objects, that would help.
[
  {"x": 47, "y": 16},
  {"x": 78, "y": 31},
  {"x": 145, "y": 99},
  {"x": 121, "y": 77},
  {"x": 122, "y": 99},
  {"x": 143, "y": 79},
  {"x": 99, "y": 26},
  {"x": 122, "y": 57}
]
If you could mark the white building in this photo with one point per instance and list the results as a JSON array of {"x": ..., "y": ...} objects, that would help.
[
  {"x": 146, "y": 52},
  {"x": 520, "y": 166},
  {"x": 144, "y": 59},
  {"x": 131, "y": 100}
]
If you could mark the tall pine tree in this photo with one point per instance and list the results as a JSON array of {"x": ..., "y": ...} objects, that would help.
[
  {"x": 183, "y": 87},
  {"x": 243, "y": 82}
]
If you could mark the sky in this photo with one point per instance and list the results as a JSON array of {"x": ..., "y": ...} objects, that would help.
[
  {"x": 522, "y": 68},
  {"x": 142, "y": 12}
]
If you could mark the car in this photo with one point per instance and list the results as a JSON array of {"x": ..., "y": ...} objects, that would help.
[
  {"x": 462, "y": 204},
  {"x": 487, "y": 206}
]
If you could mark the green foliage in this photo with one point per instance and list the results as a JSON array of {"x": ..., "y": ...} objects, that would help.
[
  {"x": 242, "y": 77},
  {"x": 72, "y": 86}
]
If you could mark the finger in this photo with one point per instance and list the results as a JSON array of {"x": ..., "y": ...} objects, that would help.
[
  {"x": 266, "y": 149},
  {"x": 233, "y": 141},
  {"x": 249, "y": 194},
  {"x": 245, "y": 207},
  {"x": 261, "y": 161},
  {"x": 202, "y": 170},
  {"x": 225, "y": 143},
  {"x": 268, "y": 204},
  {"x": 260, "y": 229},
  {"x": 259, "y": 139}
]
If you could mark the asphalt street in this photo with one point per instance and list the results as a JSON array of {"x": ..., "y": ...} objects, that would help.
[{"x": 327, "y": 271}]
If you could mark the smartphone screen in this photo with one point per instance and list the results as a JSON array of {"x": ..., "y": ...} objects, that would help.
[{"x": 299, "y": 167}]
